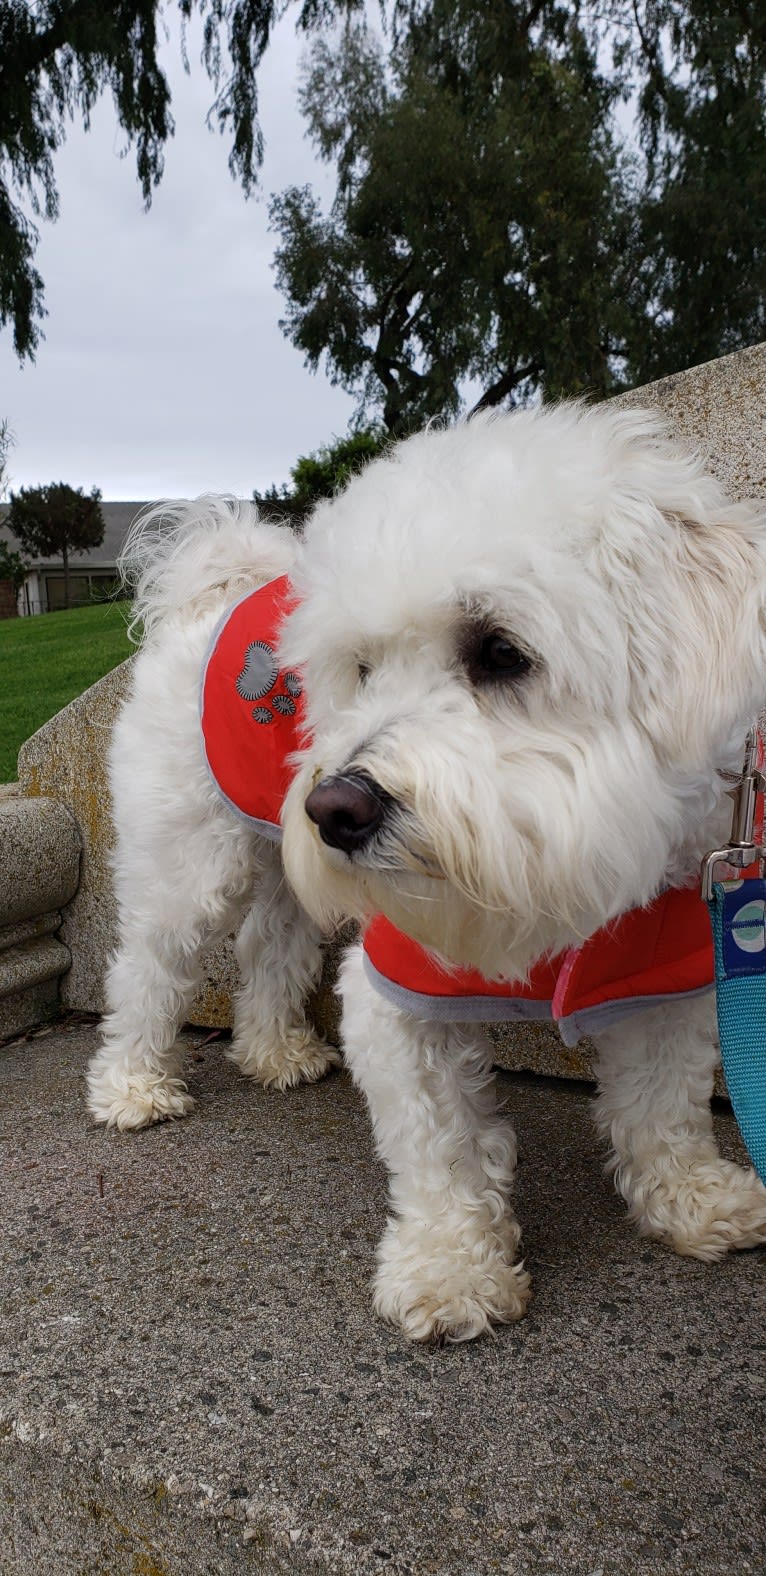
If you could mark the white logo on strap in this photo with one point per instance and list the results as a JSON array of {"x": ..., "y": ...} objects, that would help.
[{"x": 752, "y": 936}]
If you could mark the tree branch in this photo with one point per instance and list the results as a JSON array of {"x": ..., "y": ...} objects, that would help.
[
  {"x": 37, "y": 48},
  {"x": 504, "y": 386},
  {"x": 533, "y": 15}
]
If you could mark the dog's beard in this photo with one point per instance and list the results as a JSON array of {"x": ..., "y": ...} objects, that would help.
[
  {"x": 494, "y": 870},
  {"x": 443, "y": 890}
]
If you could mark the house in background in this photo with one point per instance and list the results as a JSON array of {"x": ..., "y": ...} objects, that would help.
[{"x": 91, "y": 575}]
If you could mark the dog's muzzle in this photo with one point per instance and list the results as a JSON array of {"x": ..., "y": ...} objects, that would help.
[{"x": 347, "y": 810}]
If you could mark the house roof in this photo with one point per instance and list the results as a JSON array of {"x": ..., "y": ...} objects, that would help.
[{"x": 118, "y": 517}]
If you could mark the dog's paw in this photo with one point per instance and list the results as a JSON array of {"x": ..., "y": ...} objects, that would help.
[
  {"x": 298, "y": 1057},
  {"x": 128, "y": 1101},
  {"x": 432, "y": 1283},
  {"x": 704, "y": 1210}
]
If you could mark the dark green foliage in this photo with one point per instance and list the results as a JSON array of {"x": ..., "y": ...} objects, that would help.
[
  {"x": 12, "y": 566},
  {"x": 53, "y": 521},
  {"x": 321, "y": 475},
  {"x": 479, "y": 220},
  {"x": 492, "y": 220},
  {"x": 699, "y": 277}
]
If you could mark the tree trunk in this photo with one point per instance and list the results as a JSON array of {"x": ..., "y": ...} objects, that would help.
[{"x": 65, "y": 556}]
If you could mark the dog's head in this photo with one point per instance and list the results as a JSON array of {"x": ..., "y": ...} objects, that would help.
[{"x": 528, "y": 641}]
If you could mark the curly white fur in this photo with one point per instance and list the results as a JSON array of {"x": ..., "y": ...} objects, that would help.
[{"x": 522, "y": 813}]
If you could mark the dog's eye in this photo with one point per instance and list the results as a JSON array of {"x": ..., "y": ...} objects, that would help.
[
  {"x": 363, "y": 671},
  {"x": 496, "y": 656}
]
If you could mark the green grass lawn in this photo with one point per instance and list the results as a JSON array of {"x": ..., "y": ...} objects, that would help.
[{"x": 46, "y": 661}]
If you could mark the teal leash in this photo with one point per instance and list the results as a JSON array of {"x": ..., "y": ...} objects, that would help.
[
  {"x": 738, "y": 916},
  {"x": 737, "y": 911}
]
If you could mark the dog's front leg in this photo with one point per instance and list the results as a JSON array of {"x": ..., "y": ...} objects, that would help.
[
  {"x": 655, "y": 1073},
  {"x": 446, "y": 1262},
  {"x": 280, "y": 962}
]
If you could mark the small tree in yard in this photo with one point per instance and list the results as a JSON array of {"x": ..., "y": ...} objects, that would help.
[
  {"x": 12, "y": 567},
  {"x": 322, "y": 474},
  {"x": 53, "y": 521}
]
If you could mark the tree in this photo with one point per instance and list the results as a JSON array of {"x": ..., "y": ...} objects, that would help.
[
  {"x": 492, "y": 220},
  {"x": 322, "y": 474},
  {"x": 58, "y": 56},
  {"x": 55, "y": 520},
  {"x": 674, "y": 229},
  {"x": 698, "y": 286},
  {"x": 480, "y": 220},
  {"x": 12, "y": 567}
]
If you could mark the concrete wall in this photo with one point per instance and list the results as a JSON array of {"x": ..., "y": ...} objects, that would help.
[
  {"x": 66, "y": 760},
  {"x": 721, "y": 407}
]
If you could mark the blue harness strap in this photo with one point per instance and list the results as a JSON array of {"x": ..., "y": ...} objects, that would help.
[{"x": 738, "y": 917}]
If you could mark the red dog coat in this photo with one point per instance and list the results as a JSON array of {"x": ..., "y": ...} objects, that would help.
[
  {"x": 251, "y": 716},
  {"x": 250, "y": 711}
]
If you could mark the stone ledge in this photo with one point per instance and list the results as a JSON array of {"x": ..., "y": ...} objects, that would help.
[
  {"x": 39, "y": 857},
  {"x": 66, "y": 759},
  {"x": 23, "y": 1009},
  {"x": 32, "y": 963},
  {"x": 720, "y": 407},
  {"x": 39, "y": 871},
  {"x": 29, "y": 930}
]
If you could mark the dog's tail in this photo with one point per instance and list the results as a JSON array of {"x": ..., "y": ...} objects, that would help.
[{"x": 182, "y": 559}]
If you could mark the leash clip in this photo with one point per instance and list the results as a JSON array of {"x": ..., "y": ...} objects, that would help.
[{"x": 741, "y": 851}]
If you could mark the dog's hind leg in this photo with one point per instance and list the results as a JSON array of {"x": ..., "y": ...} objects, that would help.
[
  {"x": 655, "y": 1073},
  {"x": 174, "y": 902},
  {"x": 280, "y": 960},
  {"x": 446, "y": 1262}
]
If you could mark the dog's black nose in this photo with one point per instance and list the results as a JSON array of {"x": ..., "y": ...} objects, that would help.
[{"x": 346, "y": 810}]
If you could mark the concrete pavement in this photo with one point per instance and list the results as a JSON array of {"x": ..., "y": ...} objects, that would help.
[{"x": 192, "y": 1381}]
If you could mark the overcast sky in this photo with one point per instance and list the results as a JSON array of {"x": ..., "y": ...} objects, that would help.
[{"x": 163, "y": 372}]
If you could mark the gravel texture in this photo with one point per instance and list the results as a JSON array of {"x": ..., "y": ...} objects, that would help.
[{"x": 192, "y": 1380}]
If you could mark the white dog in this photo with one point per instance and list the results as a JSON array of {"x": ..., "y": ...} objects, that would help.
[{"x": 531, "y": 645}]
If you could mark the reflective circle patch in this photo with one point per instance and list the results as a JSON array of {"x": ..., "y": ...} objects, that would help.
[{"x": 748, "y": 927}]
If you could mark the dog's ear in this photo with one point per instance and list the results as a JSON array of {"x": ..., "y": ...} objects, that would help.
[
  {"x": 720, "y": 583},
  {"x": 689, "y": 567}
]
